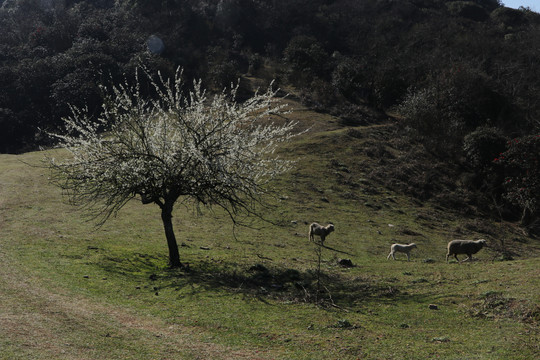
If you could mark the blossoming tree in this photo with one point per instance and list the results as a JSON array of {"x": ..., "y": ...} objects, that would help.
[{"x": 180, "y": 144}]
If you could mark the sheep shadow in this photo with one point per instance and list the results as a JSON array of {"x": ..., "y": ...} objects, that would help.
[
  {"x": 336, "y": 250},
  {"x": 322, "y": 245}
]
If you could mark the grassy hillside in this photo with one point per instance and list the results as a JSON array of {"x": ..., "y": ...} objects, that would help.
[{"x": 71, "y": 291}]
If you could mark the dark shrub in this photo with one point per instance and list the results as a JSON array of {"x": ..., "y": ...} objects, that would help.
[
  {"x": 349, "y": 79},
  {"x": 467, "y": 9},
  {"x": 483, "y": 145},
  {"x": 521, "y": 162},
  {"x": 508, "y": 17},
  {"x": 307, "y": 59}
]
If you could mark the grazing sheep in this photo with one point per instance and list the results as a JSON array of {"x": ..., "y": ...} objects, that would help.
[
  {"x": 401, "y": 248},
  {"x": 321, "y": 231},
  {"x": 467, "y": 247}
]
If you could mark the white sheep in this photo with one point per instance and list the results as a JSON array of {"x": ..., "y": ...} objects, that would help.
[
  {"x": 319, "y": 230},
  {"x": 401, "y": 248},
  {"x": 467, "y": 247}
]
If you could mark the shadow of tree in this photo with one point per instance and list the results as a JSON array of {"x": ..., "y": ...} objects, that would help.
[{"x": 258, "y": 280}]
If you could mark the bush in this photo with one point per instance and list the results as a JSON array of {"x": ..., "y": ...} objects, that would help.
[
  {"x": 521, "y": 163},
  {"x": 482, "y": 146},
  {"x": 432, "y": 116},
  {"x": 319, "y": 95},
  {"x": 508, "y": 17},
  {"x": 467, "y": 9},
  {"x": 307, "y": 59},
  {"x": 457, "y": 100},
  {"x": 389, "y": 84},
  {"x": 222, "y": 75},
  {"x": 349, "y": 80}
]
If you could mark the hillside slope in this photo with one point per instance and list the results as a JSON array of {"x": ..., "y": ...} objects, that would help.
[
  {"x": 71, "y": 291},
  {"x": 341, "y": 53}
]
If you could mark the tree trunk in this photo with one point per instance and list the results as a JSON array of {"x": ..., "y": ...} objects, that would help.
[{"x": 174, "y": 255}]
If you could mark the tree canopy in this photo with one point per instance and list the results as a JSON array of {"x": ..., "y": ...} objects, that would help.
[{"x": 180, "y": 143}]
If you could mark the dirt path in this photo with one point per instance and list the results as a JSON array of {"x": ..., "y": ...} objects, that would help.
[
  {"x": 42, "y": 323},
  {"x": 38, "y": 321}
]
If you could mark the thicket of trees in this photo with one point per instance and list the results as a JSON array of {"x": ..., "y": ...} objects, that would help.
[{"x": 449, "y": 68}]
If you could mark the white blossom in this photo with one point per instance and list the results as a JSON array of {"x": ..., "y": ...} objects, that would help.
[{"x": 211, "y": 149}]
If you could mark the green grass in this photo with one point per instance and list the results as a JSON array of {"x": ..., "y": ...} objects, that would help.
[{"x": 69, "y": 290}]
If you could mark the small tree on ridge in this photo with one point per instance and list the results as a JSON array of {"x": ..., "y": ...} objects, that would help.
[
  {"x": 182, "y": 144},
  {"x": 521, "y": 162}
]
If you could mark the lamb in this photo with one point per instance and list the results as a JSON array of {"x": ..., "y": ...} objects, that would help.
[
  {"x": 468, "y": 247},
  {"x": 401, "y": 248},
  {"x": 321, "y": 231}
]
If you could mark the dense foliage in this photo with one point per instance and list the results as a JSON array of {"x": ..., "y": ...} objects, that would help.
[
  {"x": 521, "y": 162},
  {"x": 340, "y": 52}
]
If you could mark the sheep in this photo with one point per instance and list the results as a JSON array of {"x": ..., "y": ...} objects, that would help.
[
  {"x": 321, "y": 231},
  {"x": 468, "y": 247},
  {"x": 401, "y": 248}
]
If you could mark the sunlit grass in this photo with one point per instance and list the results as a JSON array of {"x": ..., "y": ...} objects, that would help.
[{"x": 253, "y": 288}]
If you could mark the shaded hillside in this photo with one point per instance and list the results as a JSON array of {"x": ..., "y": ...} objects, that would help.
[
  {"x": 341, "y": 53},
  {"x": 460, "y": 78}
]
